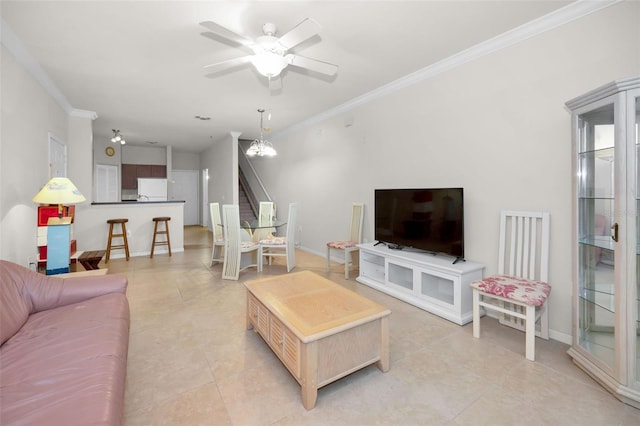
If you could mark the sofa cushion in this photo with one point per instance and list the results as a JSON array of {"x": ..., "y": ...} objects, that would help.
[
  {"x": 14, "y": 309},
  {"x": 67, "y": 365}
]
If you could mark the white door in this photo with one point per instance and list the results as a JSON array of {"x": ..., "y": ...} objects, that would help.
[
  {"x": 106, "y": 180},
  {"x": 57, "y": 157},
  {"x": 185, "y": 187},
  {"x": 205, "y": 216}
]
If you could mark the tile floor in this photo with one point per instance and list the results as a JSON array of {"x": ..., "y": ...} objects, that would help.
[{"x": 192, "y": 362}]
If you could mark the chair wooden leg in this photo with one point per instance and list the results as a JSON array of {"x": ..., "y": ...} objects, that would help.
[
  {"x": 166, "y": 228},
  {"x": 153, "y": 243},
  {"x": 530, "y": 332},
  {"x": 476, "y": 313},
  {"x": 109, "y": 243},
  {"x": 123, "y": 227}
]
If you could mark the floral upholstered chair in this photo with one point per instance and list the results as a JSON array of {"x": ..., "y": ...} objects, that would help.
[
  {"x": 520, "y": 289},
  {"x": 346, "y": 247},
  {"x": 285, "y": 246},
  {"x": 234, "y": 247}
]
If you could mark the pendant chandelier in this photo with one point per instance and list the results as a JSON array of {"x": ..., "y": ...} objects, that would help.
[
  {"x": 261, "y": 147},
  {"x": 117, "y": 137}
]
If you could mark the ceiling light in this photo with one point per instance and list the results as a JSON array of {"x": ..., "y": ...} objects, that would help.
[
  {"x": 261, "y": 147},
  {"x": 269, "y": 64},
  {"x": 117, "y": 137}
]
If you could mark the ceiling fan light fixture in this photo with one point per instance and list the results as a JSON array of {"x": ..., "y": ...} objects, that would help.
[{"x": 269, "y": 64}]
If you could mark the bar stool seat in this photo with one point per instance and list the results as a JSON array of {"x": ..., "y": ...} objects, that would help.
[
  {"x": 123, "y": 234},
  {"x": 155, "y": 242}
]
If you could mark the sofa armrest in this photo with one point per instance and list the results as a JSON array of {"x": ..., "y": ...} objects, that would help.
[{"x": 53, "y": 291}]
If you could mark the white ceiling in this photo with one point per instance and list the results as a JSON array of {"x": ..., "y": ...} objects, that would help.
[{"x": 139, "y": 64}]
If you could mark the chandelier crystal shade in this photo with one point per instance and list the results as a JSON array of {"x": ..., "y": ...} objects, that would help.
[{"x": 261, "y": 147}]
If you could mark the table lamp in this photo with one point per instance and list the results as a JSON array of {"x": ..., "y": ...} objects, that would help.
[{"x": 59, "y": 190}]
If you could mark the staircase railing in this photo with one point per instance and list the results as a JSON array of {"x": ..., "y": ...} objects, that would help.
[
  {"x": 253, "y": 185},
  {"x": 244, "y": 185}
]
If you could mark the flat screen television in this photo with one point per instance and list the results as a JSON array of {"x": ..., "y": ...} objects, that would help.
[{"x": 428, "y": 219}]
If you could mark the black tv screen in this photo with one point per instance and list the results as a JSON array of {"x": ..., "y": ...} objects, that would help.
[{"x": 429, "y": 219}]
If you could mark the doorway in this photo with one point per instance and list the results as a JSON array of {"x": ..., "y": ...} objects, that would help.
[
  {"x": 185, "y": 187},
  {"x": 57, "y": 157}
]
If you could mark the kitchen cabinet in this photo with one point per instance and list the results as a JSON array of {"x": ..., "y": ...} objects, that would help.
[{"x": 131, "y": 173}]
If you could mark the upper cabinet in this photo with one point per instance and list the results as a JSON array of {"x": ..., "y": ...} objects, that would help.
[
  {"x": 131, "y": 173},
  {"x": 606, "y": 282}
]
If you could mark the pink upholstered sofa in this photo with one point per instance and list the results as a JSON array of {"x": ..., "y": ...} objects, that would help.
[{"x": 63, "y": 353}]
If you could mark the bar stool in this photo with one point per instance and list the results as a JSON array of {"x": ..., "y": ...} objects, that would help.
[
  {"x": 123, "y": 235},
  {"x": 156, "y": 233}
]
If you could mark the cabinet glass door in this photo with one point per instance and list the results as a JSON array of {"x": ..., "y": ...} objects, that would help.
[{"x": 596, "y": 247}]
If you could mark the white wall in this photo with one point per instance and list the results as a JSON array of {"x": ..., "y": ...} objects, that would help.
[
  {"x": 28, "y": 115},
  {"x": 185, "y": 160},
  {"x": 496, "y": 126},
  {"x": 222, "y": 161},
  {"x": 133, "y": 154}
]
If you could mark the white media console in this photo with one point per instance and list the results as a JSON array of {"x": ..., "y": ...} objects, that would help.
[{"x": 431, "y": 282}]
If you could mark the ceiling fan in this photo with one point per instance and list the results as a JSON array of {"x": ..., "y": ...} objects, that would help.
[{"x": 270, "y": 55}]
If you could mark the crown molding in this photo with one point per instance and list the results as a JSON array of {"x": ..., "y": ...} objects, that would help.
[
  {"x": 15, "y": 46},
  {"x": 83, "y": 113},
  {"x": 557, "y": 18}
]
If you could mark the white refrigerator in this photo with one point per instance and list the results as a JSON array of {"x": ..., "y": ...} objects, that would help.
[{"x": 152, "y": 189}]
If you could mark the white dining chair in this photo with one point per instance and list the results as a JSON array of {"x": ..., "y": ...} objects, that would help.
[
  {"x": 520, "y": 289},
  {"x": 283, "y": 246},
  {"x": 350, "y": 245},
  {"x": 234, "y": 247},
  {"x": 218, "y": 234},
  {"x": 266, "y": 215}
]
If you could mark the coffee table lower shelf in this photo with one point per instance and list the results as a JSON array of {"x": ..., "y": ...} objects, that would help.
[{"x": 349, "y": 344}]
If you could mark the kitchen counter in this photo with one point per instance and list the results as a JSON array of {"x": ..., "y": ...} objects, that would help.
[
  {"x": 91, "y": 229},
  {"x": 129, "y": 202}
]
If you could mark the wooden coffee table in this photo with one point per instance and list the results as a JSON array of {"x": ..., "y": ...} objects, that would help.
[
  {"x": 320, "y": 330},
  {"x": 91, "y": 259}
]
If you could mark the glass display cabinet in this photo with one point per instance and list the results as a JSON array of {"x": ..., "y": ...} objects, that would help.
[{"x": 606, "y": 285}]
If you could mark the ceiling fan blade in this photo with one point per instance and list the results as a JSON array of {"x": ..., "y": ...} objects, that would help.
[
  {"x": 221, "y": 31},
  {"x": 312, "y": 64},
  {"x": 225, "y": 65},
  {"x": 275, "y": 84},
  {"x": 301, "y": 32}
]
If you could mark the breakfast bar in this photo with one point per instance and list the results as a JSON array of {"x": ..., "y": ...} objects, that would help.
[
  {"x": 91, "y": 229},
  {"x": 320, "y": 330}
]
